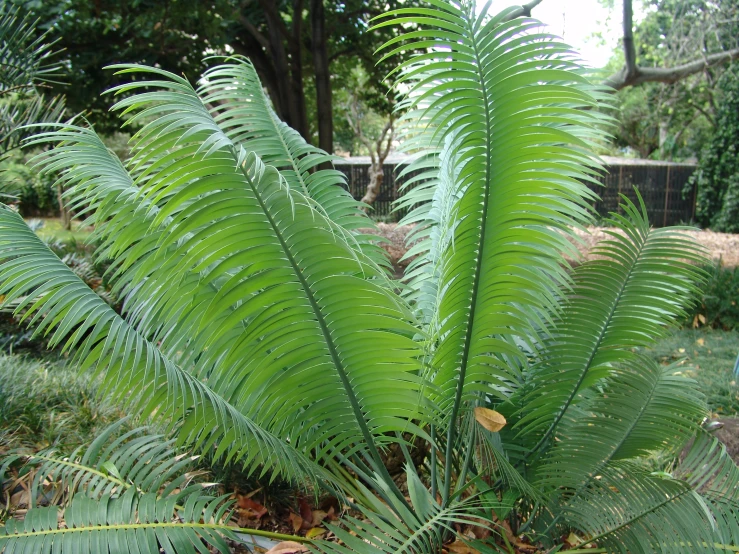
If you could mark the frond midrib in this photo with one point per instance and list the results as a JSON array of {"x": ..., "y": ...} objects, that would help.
[
  {"x": 594, "y": 351},
  {"x": 476, "y": 278}
]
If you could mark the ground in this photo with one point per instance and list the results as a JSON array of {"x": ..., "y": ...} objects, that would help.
[{"x": 720, "y": 245}]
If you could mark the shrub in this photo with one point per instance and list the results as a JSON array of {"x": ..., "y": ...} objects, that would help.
[
  {"x": 717, "y": 175},
  {"x": 718, "y": 306},
  {"x": 260, "y": 323}
]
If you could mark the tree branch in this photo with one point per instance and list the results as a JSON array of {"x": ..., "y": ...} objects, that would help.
[
  {"x": 525, "y": 9},
  {"x": 668, "y": 74}
]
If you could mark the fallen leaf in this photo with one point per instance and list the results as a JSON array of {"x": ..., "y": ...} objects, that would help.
[
  {"x": 681, "y": 350},
  {"x": 251, "y": 508},
  {"x": 318, "y": 517},
  {"x": 287, "y": 547},
  {"x": 315, "y": 532},
  {"x": 306, "y": 513},
  {"x": 489, "y": 419},
  {"x": 296, "y": 521},
  {"x": 701, "y": 342},
  {"x": 573, "y": 540},
  {"x": 459, "y": 547}
]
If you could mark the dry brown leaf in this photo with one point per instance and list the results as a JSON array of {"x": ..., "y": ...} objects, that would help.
[
  {"x": 306, "y": 513},
  {"x": 490, "y": 419},
  {"x": 287, "y": 547},
  {"x": 459, "y": 547},
  {"x": 251, "y": 508},
  {"x": 296, "y": 521}
]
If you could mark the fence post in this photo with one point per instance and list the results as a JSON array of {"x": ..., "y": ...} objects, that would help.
[{"x": 667, "y": 198}]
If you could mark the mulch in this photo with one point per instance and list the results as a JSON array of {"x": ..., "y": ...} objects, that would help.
[{"x": 723, "y": 246}]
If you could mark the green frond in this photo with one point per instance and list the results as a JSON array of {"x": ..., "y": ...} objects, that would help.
[
  {"x": 241, "y": 108},
  {"x": 25, "y": 56},
  {"x": 114, "y": 463},
  {"x": 131, "y": 523},
  {"x": 497, "y": 86},
  {"x": 629, "y": 511},
  {"x": 641, "y": 284},
  {"x": 713, "y": 474},
  {"x": 382, "y": 530},
  {"x": 23, "y": 117},
  {"x": 643, "y": 408},
  {"x": 132, "y": 369}
]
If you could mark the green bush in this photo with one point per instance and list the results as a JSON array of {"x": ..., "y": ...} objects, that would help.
[
  {"x": 34, "y": 194},
  {"x": 260, "y": 323},
  {"x": 718, "y": 305},
  {"x": 717, "y": 175}
]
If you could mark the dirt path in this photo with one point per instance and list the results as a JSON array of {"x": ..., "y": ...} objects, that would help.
[{"x": 720, "y": 245}]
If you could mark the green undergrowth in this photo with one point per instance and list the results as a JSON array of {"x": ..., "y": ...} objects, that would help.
[
  {"x": 709, "y": 356},
  {"x": 47, "y": 403}
]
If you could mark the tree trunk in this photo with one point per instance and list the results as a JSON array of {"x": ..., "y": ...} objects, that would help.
[
  {"x": 376, "y": 175},
  {"x": 63, "y": 211},
  {"x": 323, "y": 77}
]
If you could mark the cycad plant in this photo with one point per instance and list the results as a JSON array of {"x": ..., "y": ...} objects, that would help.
[{"x": 259, "y": 322}]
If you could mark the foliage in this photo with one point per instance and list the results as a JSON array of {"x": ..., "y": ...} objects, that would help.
[
  {"x": 719, "y": 304},
  {"x": 260, "y": 324},
  {"x": 131, "y": 493},
  {"x": 708, "y": 356},
  {"x": 26, "y": 65},
  {"x": 34, "y": 194},
  {"x": 717, "y": 176},
  {"x": 48, "y": 403},
  {"x": 673, "y": 121}
]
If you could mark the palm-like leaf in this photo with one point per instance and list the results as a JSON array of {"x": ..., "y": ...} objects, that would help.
[
  {"x": 643, "y": 283},
  {"x": 242, "y": 109},
  {"x": 128, "y": 493},
  {"x": 133, "y": 370},
  {"x": 521, "y": 146},
  {"x": 629, "y": 511},
  {"x": 25, "y": 56},
  {"x": 267, "y": 312},
  {"x": 25, "y": 116}
]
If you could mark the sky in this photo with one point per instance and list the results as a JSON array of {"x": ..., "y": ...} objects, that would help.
[{"x": 577, "y": 21}]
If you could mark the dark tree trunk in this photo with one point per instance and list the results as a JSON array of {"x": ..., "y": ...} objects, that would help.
[
  {"x": 296, "y": 70},
  {"x": 323, "y": 77}
]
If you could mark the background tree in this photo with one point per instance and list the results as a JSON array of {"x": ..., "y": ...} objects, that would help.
[
  {"x": 303, "y": 50},
  {"x": 671, "y": 113},
  {"x": 717, "y": 176},
  {"x": 371, "y": 127}
]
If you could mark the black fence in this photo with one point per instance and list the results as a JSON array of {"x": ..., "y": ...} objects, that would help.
[{"x": 661, "y": 185}]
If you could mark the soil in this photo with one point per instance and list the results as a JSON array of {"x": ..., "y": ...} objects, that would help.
[
  {"x": 723, "y": 246},
  {"x": 729, "y": 435}
]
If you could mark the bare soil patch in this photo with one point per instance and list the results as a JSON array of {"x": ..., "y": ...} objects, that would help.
[{"x": 722, "y": 246}]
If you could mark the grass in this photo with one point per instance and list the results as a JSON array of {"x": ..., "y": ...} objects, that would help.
[
  {"x": 46, "y": 403},
  {"x": 709, "y": 356},
  {"x": 52, "y": 229}
]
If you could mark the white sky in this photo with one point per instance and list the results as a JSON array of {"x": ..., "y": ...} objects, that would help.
[{"x": 576, "y": 21}]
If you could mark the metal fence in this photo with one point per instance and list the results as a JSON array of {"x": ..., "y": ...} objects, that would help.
[{"x": 661, "y": 185}]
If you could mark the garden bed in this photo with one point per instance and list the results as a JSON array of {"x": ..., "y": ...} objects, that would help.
[{"x": 720, "y": 245}]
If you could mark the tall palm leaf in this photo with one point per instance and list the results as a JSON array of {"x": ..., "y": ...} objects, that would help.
[{"x": 518, "y": 196}]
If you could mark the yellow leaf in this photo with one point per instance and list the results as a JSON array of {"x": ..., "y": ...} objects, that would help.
[
  {"x": 681, "y": 350},
  {"x": 490, "y": 419},
  {"x": 315, "y": 532},
  {"x": 700, "y": 342}
]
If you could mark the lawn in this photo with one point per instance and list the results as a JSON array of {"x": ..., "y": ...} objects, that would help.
[
  {"x": 51, "y": 229},
  {"x": 709, "y": 357}
]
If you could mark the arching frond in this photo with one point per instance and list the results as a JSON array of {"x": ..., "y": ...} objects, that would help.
[
  {"x": 241, "y": 108},
  {"x": 132, "y": 370},
  {"x": 131, "y": 523},
  {"x": 382, "y": 530},
  {"x": 629, "y": 511},
  {"x": 713, "y": 474},
  {"x": 642, "y": 282},
  {"x": 643, "y": 408},
  {"x": 497, "y": 85},
  {"x": 113, "y": 463}
]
